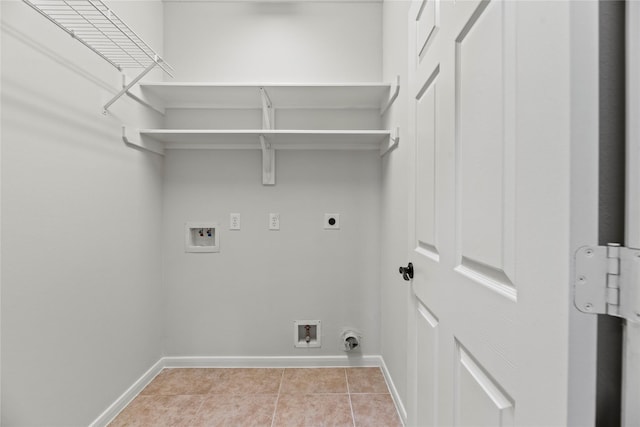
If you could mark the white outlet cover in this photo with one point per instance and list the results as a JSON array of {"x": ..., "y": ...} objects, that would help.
[
  {"x": 328, "y": 217},
  {"x": 274, "y": 221},
  {"x": 234, "y": 221}
]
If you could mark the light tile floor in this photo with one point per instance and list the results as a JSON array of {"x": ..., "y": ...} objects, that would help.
[{"x": 263, "y": 397}]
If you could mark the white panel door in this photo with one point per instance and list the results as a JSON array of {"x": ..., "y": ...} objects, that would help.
[{"x": 490, "y": 215}]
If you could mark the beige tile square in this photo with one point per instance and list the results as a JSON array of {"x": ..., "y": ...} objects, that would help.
[
  {"x": 181, "y": 381},
  {"x": 247, "y": 381},
  {"x": 159, "y": 411},
  {"x": 309, "y": 380},
  {"x": 366, "y": 380},
  {"x": 313, "y": 410},
  {"x": 236, "y": 410},
  {"x": 374, "y": 410}
]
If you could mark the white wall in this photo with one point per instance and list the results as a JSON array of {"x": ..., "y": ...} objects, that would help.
[
  {"x": 81, "y": 307},
  {"x": 307, "y": 41},
  {"x": 395, "y": 181},
  {"x": 243, "y": 300}
]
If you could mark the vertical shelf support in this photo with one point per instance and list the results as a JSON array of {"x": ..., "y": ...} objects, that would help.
[
  {"x": 268, "y": 152},
  {"x": 268, "y": 113},
  {"x": 268, "y": 162}
]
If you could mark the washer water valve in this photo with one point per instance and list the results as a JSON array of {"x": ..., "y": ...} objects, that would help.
[{"x": 307, "y": 333}]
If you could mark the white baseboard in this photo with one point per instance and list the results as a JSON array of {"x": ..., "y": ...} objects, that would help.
[
  {"x": 402, "y": 412},
  {"x": 269, "y": 361},
  {"x": 245, "y": 362},
  {"x": 121, "y": 402}
]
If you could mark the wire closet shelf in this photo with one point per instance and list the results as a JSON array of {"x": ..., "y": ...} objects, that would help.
[{"x": 93, "y": 24}]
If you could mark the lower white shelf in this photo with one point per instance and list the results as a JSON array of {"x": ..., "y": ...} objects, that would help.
[{"x": 157, "y": 140}]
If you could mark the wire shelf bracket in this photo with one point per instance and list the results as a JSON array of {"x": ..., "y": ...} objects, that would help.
[{"x": 96, "y": 26}]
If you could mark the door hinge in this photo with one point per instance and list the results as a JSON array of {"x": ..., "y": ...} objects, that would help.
[{"x": 607, "y": 281}]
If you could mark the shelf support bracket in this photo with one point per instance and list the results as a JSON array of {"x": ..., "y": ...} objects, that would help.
[
  {"x": 150, "y": 101},
  {"x": 268, "y": 162},
  {"x": 395, "y": 90},
  {"x": 130, "y": 85},
  {"x": 394, "y": 141},
  {"x": 268, "y": 152},
  {"x": 141, "y": 143},
  {"x": 268, "y": 113}
]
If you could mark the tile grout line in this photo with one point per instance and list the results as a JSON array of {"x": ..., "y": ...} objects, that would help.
[
  {"x": 208, "y": 393},
  {"x": 353, "y": 417},
  {"x": 275, "y": 409},
  {"x": 198, "y": 410},
  {"x": 204, "y": 398}
]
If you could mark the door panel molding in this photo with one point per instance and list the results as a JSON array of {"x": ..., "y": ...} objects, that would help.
[
  {"x": 428, "y": 335},
  {"x": 479, "y": 399},
  {"x": 428, "y": 23},
  {"x": 426, "y": 216},
  {"x": 486, "y": 275},
  {"x": 485, "y": 146}
]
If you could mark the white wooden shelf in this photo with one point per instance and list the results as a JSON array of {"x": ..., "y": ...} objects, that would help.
[
  {"x": 267, "y": 97},
  {"x": 158, "y": 140},
  {"x": 282, "y": 95}
]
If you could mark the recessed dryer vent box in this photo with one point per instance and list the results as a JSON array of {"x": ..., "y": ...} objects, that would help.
[{"x": 201, "y": 237}]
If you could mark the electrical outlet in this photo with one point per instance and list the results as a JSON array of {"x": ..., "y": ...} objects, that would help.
[
  {"x": 274, "y": 221},
  {"x": 332, "y": 221},
  {"x": 234, "y": 221}
]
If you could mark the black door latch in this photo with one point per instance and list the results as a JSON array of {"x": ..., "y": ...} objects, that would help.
[{"x": 407, "y": 272}]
